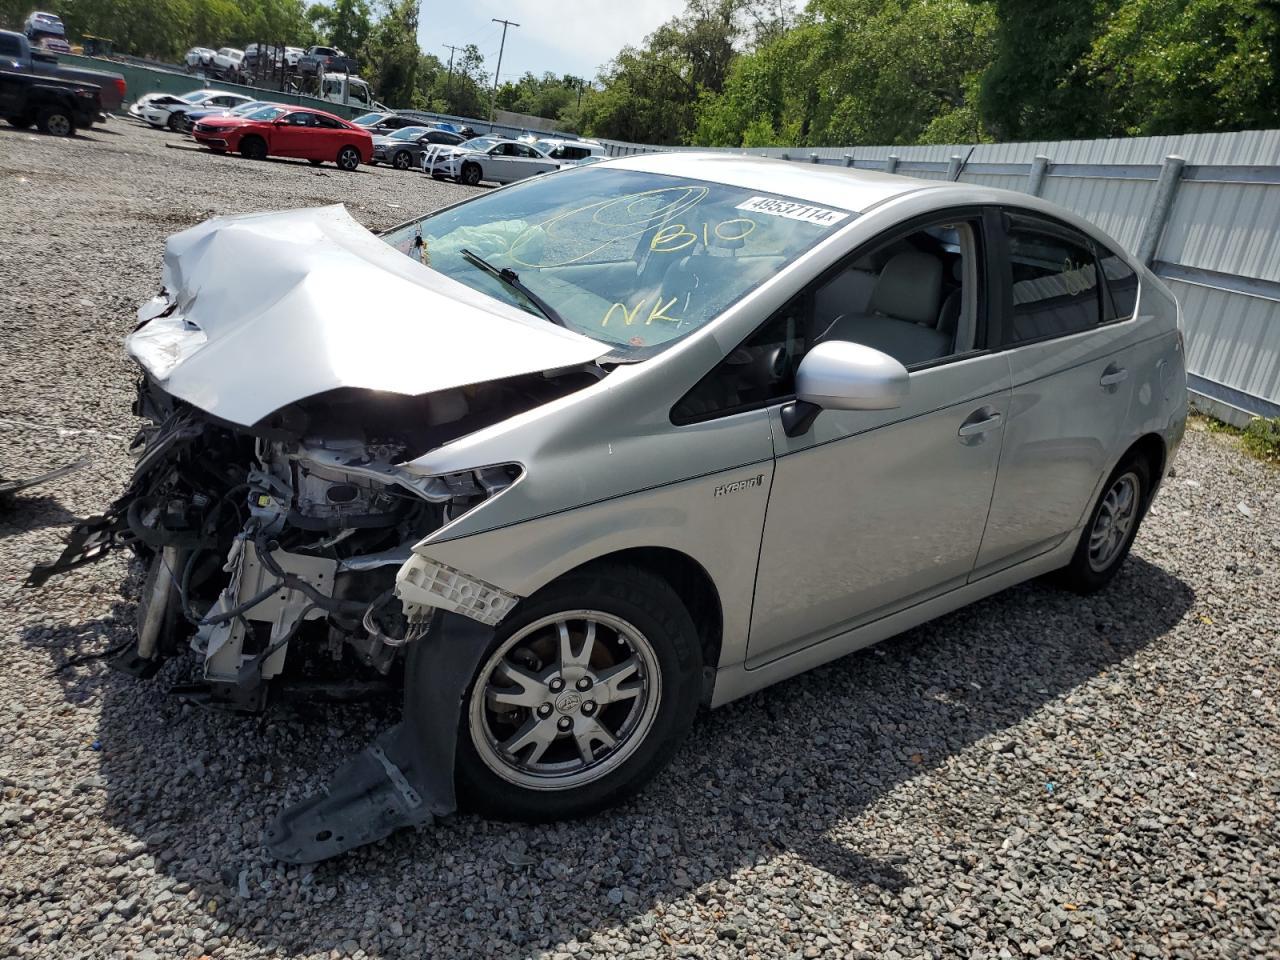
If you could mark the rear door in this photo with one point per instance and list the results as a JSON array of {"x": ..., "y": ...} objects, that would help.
[
  {"x": 327, "y": 138},
  {"x": 1072, "y": 362}
]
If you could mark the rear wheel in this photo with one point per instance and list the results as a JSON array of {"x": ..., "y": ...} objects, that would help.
[
  {"x": 585, "y": 694},
  {"x": 470, "y": 174},
  {"x": 1113, "y": 524},
  {"x": 56, "y": 122},
  {"x": 348, "y": 159},
  {"x": 253, "y": 148}
]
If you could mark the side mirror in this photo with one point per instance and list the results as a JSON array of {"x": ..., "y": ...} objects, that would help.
[{"x": 838, "y": 375}]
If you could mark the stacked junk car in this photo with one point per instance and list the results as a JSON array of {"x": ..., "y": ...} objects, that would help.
[{"x": 527, "y": 483}]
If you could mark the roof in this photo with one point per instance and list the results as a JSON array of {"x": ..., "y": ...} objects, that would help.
[{"x": 823, "y": 184}]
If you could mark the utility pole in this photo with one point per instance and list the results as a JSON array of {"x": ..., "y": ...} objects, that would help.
[
  {"x": 493, "y": 101},
  {"x": 448, "y": 86}
]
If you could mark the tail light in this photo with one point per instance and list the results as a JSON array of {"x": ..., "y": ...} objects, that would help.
[{"x": 120, "y": 86}]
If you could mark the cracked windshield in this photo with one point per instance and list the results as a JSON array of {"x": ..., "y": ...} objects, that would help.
[{"x": 636, "y": 260}]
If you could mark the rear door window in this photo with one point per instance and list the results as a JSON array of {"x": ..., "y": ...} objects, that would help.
[{"x": 1055, "y": 288}]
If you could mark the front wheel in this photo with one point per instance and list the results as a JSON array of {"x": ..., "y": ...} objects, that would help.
[
  {"x": 470, "y": 175},
  {"x": 1113, "y": 524},
  {"x": 586, "y": 692},
  {"x": 253, "y": 148},
  {"x": 174, "y": 123},
  {"x": 348, "y": 158},
  {"x": 55, "y": 122}
]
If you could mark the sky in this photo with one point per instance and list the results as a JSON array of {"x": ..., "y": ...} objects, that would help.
[{"x": 563, "y": 36}]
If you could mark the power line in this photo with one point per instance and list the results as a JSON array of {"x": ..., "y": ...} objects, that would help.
[
  {"x": 448, "y": 87},
  {"x": 493, "y": 101}
]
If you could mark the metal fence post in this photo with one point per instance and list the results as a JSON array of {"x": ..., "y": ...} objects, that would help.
[
  {"x": 813, "y": 158},
  {"x": 891, "y": 163},
  {"x": 953, "y": 167},
  {"x": 1039, "y": 170},
  {"x": 1166, "y": 188},
  {"x": 848, "y": 159}
]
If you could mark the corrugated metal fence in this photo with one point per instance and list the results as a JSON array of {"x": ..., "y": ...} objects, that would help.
[{"x": 1202, "y": 209}]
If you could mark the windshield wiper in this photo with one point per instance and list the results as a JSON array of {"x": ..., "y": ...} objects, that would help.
[{"x": 512, "y": 280}]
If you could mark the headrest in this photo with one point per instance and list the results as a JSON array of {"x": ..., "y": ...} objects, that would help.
[{"x": 909, "y": 288}]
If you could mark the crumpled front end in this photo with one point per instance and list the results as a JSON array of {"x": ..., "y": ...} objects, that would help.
[{"x": 275, "y": 503}]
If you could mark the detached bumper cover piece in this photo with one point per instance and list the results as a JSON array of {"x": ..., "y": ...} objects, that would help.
[{"x": 405, "y": 777}]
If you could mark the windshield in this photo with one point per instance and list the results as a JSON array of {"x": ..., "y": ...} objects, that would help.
[
  {"x": 636, "y": 260},
  {"x": 267, "y": 113},
  {"x": 247, "y": 108},
  {"x": 479, "y": 143},
  {"x": 195, "y": 97},
  {"x": 368, "y": 119}
]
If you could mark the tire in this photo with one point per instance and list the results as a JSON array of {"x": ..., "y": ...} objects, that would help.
[
  {"x": 348, "y": 159},
  {"x": 253, "y": 148},
  {"x": 471, "y": 174},
  {"x": 22, "y": 123},
  {"x": 639, "y": 620},
  {"x": 1113, "y": 523},
  {"x": 56, "y": 122},
  {"x": 403, "y": 160},
  {"x": 174, "y": 123}
]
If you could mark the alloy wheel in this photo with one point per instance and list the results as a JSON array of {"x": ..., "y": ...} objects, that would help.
[
  {"x": 59, "y": 125},
  {"x": 1115, "y": 519},
  {"x": 348, "y": 158},
  {"x": 565, "y": 700}
]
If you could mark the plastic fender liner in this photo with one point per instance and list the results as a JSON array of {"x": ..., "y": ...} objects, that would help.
[{"x": 405, "y": 777}]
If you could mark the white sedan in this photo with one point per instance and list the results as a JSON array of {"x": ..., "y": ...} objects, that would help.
[
  {"x": 488, "y": 158},
  {"x": 166, "y": 110}
]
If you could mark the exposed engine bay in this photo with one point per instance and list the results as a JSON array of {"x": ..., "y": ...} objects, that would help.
[
  {"x": 282, "y": 484},
  {"x": 272, "y": 546}
]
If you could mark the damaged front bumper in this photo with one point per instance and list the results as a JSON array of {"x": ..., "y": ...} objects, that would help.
[{"x": 279, "y": 501}]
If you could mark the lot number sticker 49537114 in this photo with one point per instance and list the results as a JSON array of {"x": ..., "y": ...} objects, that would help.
[{"x": 793, "y": 211}]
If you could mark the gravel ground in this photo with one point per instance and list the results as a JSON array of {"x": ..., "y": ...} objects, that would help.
[{"x": 1037, "y": 775}]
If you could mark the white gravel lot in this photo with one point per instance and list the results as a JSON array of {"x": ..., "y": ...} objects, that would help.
[{"x": 1038, "y": 775}]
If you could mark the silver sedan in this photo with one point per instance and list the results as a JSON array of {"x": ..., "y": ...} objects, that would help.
[
  {"x": 490, "y": 159},
  {"x": 621, "y": 442}
]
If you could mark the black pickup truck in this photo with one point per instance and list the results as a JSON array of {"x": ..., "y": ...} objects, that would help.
[{"x": 57, "y": 107}]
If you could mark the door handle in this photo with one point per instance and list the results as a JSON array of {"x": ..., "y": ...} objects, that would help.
[
  {"x": 1113, "y": 376},
  {"x": 972, "y": 427}
]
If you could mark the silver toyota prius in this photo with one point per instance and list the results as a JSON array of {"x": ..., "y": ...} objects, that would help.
[{"x": 570, "y": 459}]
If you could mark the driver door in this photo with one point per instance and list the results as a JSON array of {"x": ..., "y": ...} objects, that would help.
[
  {"x": 291, "y": 134},
  {"x": 871, "y": 511}
]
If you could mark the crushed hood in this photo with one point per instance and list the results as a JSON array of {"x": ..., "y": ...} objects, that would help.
[{"x": 263, "y": 310}]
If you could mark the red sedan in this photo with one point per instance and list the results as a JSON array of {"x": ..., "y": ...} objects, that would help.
[{"x": 285, "y": 131}]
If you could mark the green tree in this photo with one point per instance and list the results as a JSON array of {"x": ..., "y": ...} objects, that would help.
[
  {"x": 345, "y": 24},
  {"x": 1035, "y": 88},
  {"x": 1173, "y": 66},
  {"x": 390, "y": 58},
  {"x": 858, "y": 71}
]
